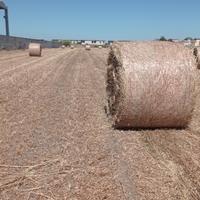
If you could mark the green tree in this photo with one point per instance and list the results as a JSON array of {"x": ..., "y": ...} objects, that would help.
[
  {"x": 162, "y": 38},
  {"x": 66, "y": 42}
]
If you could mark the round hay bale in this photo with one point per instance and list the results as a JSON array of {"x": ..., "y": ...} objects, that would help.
[
  {"x": 196, "y": 52},
  {"x": 72, "y": 47},
  {"x": 87, "y": 47},
  {"x": 100, "y": 47},
  {"x": 150, "y": 84},
  {"x": 63, "y": 46},
  {"x": 35, "y": 49}
]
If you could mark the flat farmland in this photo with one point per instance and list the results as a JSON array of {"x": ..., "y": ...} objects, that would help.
[{"x": 57, "y": 142}]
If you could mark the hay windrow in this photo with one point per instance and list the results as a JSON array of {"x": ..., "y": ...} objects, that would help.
[{"x": 150, "y": 84}]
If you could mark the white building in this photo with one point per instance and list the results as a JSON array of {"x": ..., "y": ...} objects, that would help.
[
  {"x": 187, "y": 42},
  {"x": 84, "y": 42},
  {"x": 110, "y": 42},
  {"x": 93, "y": 42},
  {"x": 75, "y": 41},
  {"x": 197, "y": 42},
  {"x": 173, "y": 40}
]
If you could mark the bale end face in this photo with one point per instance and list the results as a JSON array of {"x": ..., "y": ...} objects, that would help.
[
  {"x": 35, "y": 49},
  {"x": 150, "y": 84}
]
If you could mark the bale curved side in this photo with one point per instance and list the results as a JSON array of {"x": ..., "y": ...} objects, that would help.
[
  {"x": 35, "y": 49},
  {"x": 72, "y": 47},
  {"x": 87, "y": 47},
  {"x": 150, "y": 84}
]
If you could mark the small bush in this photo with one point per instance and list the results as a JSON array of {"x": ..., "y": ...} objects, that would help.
[
  {"x": 67, "y": 43},
  {"x": 5, "y": 49}
]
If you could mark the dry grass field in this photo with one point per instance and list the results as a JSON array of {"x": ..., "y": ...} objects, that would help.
[{"x": 56, "y": 141}]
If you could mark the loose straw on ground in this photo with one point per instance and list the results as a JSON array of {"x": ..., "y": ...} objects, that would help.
[{"x": 150, "y": 84}]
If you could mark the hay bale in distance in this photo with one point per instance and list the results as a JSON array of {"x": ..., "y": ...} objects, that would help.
[
  {"x": 150, "y": 84},
  {"x": 100, "y": 47},
  {"x": 72, "y": 47},
  {"x": 196, "y": 52},
  {"x": 35, "y": 49},
  {"x": 63, "y": 46},
  {"x": 87, "y": 47}
]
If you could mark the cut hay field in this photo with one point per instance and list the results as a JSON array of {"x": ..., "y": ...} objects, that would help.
[{"x": 56, "y": 141}]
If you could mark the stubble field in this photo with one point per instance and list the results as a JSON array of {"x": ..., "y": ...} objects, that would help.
[{"x": 56, "y": 141}]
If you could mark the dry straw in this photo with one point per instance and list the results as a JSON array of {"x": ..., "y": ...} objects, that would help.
[
  {"x": 150, "y": 84},
  {"x": 72, "y": 47},
  {"x": 63, "y": 46},
  {"x": 87, "y": 47},
  {"x": 100, "y": 47},
  {"x": 35, "y": 49}
]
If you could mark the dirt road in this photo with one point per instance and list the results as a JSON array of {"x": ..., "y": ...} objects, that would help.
[{"x": 56, "y": 141}]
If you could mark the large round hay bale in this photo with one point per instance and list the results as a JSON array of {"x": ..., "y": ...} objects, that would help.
[
  {"x": 87, "y": 47},
  {"x": 35, "y": 49},
  {"x": 150, "y": 84},
  {"x": 72, "y": 47},
  {"x": 100, "y": 47},
  {"x": 196, "y": 52},
  {"x": 63, "y": 46}
]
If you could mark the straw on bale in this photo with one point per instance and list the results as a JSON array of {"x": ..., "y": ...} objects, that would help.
[
  {"x": 100, "y": 47},
  {"x": 196, "y": 52},
  {"x": 87, "y": 47},
  {"x": 63, "y": 46},
  {"x": 72, "y": 47},
  {"x": 150, "y": 84},
  {"x": 35, "y": 49}
]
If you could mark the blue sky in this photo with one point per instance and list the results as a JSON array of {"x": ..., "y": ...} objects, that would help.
[{"x": 102, "y": 19}]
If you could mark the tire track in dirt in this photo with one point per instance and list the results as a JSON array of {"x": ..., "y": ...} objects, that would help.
[
  {"x": 122, "y": 171},
  {"x": 93, "y": 149}
]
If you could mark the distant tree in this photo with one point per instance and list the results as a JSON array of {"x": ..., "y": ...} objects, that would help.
[
  {"x": 66, "y": 42},
  {"x": 162, "y": 38}
]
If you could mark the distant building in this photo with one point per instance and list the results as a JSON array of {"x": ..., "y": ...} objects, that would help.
[
  {"x": 93, "y": 42},
  {"x": 173, "y": 40},
  {"x": 187, "y": 42},
  {"x": 197, "y": 42},
  {"x": 83, "y": 42},
  {"x": 75, "y": 41},
  {"x": 57, "y": 40},
  {"x": 110, "y": 42}
]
